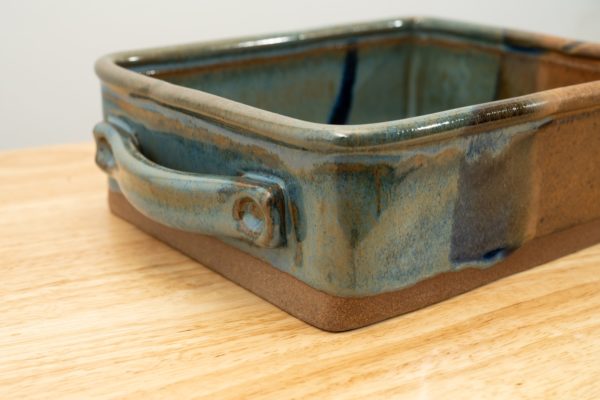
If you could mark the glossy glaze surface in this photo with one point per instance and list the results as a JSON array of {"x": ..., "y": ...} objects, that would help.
[{"x": 386, "y": 182}]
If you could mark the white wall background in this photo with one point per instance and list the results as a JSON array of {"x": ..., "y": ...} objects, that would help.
[{"x": 49, "y": 93}]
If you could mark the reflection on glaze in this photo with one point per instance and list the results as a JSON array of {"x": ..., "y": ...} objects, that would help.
[{"x": 459, "y": 163}]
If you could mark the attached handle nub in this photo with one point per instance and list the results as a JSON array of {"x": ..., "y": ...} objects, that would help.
[{"x": 241, "y": 207}]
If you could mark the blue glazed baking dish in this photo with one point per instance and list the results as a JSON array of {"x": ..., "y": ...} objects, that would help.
[{"x": 355, "y": 173}]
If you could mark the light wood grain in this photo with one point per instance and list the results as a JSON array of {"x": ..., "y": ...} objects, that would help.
[{"x": 93, "y": 308}]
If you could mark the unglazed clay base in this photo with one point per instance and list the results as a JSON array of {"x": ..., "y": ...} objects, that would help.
[{"x": 334, "y": 313}]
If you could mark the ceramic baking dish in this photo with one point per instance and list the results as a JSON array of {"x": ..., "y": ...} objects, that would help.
[{"x": 355, "y": 173}]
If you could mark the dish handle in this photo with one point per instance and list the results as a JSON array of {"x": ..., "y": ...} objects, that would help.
[{"x": 248, "y": 207}]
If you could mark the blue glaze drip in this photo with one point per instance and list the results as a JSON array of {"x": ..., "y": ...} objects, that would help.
[
  {"x": 343, "y": 103},
  {"x": 518, "y": 48}
]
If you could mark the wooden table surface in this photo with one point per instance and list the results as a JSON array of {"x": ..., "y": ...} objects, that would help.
[{"x": 91, "y": 307}]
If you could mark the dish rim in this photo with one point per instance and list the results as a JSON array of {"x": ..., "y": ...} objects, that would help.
[{"x": 116, "y": 70}]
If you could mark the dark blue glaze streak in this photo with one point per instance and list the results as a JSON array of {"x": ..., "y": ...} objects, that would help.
[
  {"x": 343, "y": 103},
  {"x": 520, "y": 48}
]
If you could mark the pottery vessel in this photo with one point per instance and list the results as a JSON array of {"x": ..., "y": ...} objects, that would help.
[{"x": 355, "y": 173}]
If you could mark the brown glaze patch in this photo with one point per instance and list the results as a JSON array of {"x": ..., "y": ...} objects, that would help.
[{"x": 568, "y": 156}]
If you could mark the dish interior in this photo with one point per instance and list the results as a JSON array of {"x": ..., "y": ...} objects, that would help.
[{"x": 377, "y": 78}]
